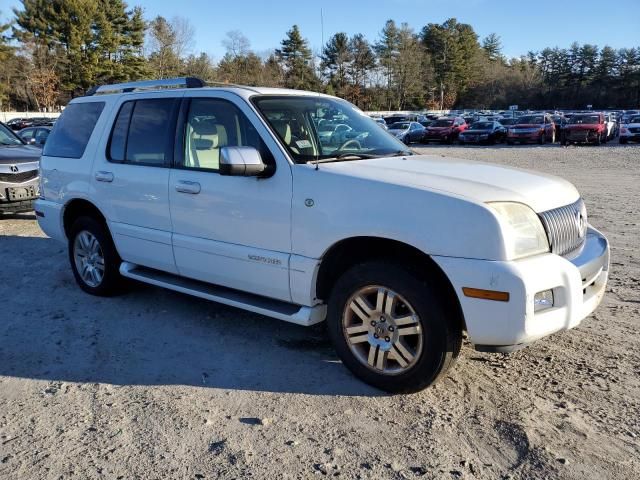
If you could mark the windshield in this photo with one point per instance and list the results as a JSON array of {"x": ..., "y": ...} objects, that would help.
[
  {"x": 442, "y": 123},
  {"x": 634, "y": 120},
  {"x": 584, "y": 119},
  {"x": 531, "y": 119},
  {"x": 482, "y": 126},
  {"x": 8, "y": 138},
  {"x": 302, "y": 124}
]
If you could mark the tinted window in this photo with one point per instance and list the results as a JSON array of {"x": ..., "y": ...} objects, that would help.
[
  {"x": 118, "y": 142},
  {"x": 213, "y": 124},
  {"x": 151, "y": 131},
  {"x": 73, "y": 129}
]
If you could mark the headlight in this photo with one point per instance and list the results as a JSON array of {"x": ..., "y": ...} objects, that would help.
[{"x": 523, "y": 232}]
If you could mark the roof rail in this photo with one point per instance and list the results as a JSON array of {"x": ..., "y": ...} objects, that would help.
[{"x": 182, "y": 82}]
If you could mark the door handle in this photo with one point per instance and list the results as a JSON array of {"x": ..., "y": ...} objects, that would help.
[
  {"x": 104, "y": 177},
  {"x": 185, "y": 186}
]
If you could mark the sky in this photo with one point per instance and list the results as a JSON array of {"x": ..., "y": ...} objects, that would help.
[{"x": 522, "y": 25}]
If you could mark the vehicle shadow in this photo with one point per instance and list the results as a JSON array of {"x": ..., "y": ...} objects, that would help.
[
  {"x": 51, "y": 330},
  {"x": 18, "y": 216}
]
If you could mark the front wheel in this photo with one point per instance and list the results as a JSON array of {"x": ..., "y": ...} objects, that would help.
[
  {"x": 94, "y": 260},
  {"x": 390, "y": 328}
]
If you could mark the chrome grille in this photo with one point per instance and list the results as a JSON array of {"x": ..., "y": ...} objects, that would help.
[
  {"x": 566, "y": 227},
  {"x": 18, "y": 177}
]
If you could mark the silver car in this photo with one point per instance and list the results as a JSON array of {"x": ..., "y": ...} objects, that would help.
[{"x": 18, "y": 172}]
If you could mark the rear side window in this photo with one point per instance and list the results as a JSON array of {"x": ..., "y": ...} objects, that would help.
[
  {"x": 73, "y": 129},
  {"x": 143, "y": 132}
]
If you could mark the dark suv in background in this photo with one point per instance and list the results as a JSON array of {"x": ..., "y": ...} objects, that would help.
[{"x": 19, "y": 164}]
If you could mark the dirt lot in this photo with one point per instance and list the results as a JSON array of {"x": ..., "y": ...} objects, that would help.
[{"x": 158, "y": 385}]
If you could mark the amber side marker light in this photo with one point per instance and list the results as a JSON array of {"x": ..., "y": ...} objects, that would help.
[{"x": 486, "y": 294}]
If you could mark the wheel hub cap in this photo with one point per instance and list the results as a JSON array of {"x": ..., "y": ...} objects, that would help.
[
  {"x": 89, "y": 259},
  {"x": 382, "y": 330}
]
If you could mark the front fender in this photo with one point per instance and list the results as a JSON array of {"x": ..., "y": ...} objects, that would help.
[{"x": 328, "y": 208}]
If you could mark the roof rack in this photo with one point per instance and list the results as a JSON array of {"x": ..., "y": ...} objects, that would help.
[{"x": 182, "y": 82}]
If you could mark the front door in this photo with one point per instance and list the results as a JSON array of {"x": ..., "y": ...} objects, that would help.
[{"x": 230, "y": 231}]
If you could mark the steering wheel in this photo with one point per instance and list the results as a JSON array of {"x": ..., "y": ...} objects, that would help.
[{"x": 353, "y": 141}]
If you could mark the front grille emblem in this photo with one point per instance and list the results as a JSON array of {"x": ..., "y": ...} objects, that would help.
[{"x": 14, "y": 169}]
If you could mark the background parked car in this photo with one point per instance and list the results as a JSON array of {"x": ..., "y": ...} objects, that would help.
[
  {"x": 538, "y": 128},
  {"x": 407, "y": 132},
  {"x": 34, "y": 135},
  {"x": 483, "y": 132},
  {"x": 20, "y": 123},
  {"x": 585, "y": 128},
  {"x": 445, "y": 130},
  {"x": 630, "y": 131}
]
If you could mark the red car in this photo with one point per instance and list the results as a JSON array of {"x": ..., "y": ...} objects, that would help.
[
  {"x": 585, "y": 128},
  {"x": 532, "y": 128},
  {"x": 445, "y": 130}
]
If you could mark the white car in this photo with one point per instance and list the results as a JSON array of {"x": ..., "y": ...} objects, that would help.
[
  {"x": 228, "y": 194},
  {"x": 630, "y": 131},
  {"x": 611, "y": 126}
]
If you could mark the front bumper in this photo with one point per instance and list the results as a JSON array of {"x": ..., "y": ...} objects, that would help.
[
  {"x": 578, "y": 286},
  {"x": 10, "y": 203}
]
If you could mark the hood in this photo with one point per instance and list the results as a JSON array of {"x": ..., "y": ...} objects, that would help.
[
  {"x": 476, "y": 181},
  {"x": 396, "y": 131},
  {"x": 17, "y": 154}
]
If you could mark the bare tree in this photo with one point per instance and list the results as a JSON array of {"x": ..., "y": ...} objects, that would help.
[{"x": 236, "y": 44}]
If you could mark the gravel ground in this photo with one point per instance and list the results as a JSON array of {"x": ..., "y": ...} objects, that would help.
[{"x": 154, "y": 384}]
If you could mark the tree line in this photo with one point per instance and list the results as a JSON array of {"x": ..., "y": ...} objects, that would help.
[{"x": 53, "y": 50}]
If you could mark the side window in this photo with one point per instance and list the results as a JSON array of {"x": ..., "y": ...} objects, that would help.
[
  {"x": 41, "y": 136},
  {"x": 212, "y": 124},
  {"x": 143, "y": 132},
  {"x": 71, "y": 133},
  {"x": 27, "y": 134}
]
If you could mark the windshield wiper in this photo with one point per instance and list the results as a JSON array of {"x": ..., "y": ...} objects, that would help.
[
  {"x": 345, "y": 156},
  {"x": 400, "y": 153}
]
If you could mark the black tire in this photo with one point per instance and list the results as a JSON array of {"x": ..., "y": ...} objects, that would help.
[
  {"x": 623, "y": 140},
  {"x": 598, "y": 140},
  {"x": 542, "y": 139},
  {"x": 441, "y": 338},
  {"x": 111, "y": 281},
  {"x": 509, "y": 142}
]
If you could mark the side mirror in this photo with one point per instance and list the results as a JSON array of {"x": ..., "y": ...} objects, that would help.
[
  {"x": 31, "y": 141},
  {"x": 241, "y": 162}
]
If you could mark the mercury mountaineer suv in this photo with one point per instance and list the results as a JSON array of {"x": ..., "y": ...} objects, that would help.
[{"x": 228, "y": 194}]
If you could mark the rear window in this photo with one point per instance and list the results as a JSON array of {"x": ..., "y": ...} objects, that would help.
[
  {"x": 73, "y": 129},
  {"x": 143, "y": 132}
]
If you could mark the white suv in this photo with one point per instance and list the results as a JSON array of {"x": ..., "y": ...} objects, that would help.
[{"x": 229, "y": 194}]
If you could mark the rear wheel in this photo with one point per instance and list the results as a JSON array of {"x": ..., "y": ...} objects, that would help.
[
  {"x": 390, "y": 328},
  {"x": 94, "y": 260}
]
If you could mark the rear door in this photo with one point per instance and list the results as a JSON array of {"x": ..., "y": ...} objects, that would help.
[
  {"x": 131, "y": 177},
  {"x": 230, "y": 231}
]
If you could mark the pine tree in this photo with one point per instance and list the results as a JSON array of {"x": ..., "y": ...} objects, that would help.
[
  {"x": 297, "y": 61},
  {"x": 336, "y": 61},
  {"x": 492, "y": 46}
]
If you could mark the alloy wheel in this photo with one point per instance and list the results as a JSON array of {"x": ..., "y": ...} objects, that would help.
[
  {"x": 382, "y": 330},
  {"x": 89, "y": 258}
]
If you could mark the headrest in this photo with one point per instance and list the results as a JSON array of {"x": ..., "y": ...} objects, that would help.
[
  {"x": 283, "y": 129},
  {"x": 205, "y": 126}
]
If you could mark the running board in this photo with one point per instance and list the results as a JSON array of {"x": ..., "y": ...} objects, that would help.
[{"x": 288, "y": 312}]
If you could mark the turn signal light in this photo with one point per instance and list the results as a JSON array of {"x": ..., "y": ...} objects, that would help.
[{"x": 486, "y": 294}]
